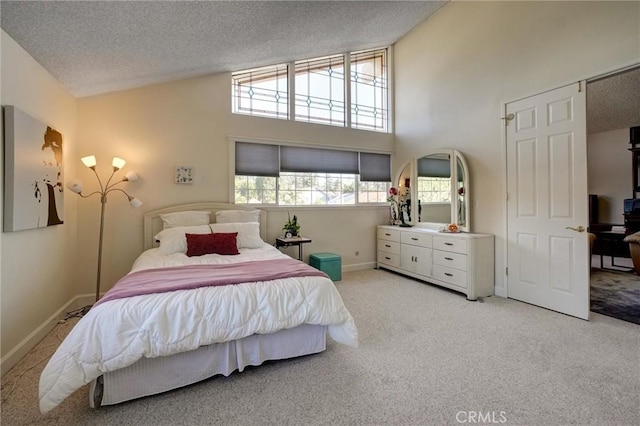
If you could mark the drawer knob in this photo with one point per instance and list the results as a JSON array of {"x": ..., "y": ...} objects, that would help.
[
  {"x": 448, "y": 274},
  {"x": 388, "y": 235},
  {"x": 448, "y": 258},
  {"x": 387, "y": 245},
  {"x": 448, "y": 244},
  {"x": 387, "y": 257},
  {"x": 414, "y": 238}
]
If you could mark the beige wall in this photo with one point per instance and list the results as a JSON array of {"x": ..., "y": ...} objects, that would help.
[
  {"x": 37, "y": 265},
  {"x": 455, "y": 72},
  {"x": 610, "y": 173},
  {"x": 189, "y": 123}
]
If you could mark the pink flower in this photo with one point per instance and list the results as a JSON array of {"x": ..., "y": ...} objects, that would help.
[{"x": 393, "y": 191}]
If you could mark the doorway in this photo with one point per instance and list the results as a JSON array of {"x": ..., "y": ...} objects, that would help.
[{"x": 612, "y": 109}]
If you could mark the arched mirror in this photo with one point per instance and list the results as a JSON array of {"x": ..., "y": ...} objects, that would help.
[{"x": 436, "y": 188}]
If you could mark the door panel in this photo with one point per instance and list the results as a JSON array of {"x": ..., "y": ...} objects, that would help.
[{"x": 548, "y": 263}]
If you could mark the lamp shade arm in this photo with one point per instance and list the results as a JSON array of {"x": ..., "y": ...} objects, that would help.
[
  {"x": 102, "y": 187},
  {"x": 89, "y": 195},
  {"x": 109, "y": 185},
  {"x": 134, "y": 202}
]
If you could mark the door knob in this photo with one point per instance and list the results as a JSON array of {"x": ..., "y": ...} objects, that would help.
[{"x": 578, "y": 228}]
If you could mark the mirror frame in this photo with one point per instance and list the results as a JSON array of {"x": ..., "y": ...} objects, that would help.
[{"x": 454, "y": 157}]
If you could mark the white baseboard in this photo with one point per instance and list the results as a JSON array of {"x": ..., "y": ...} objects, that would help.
[
  {"x": 358, "y": 266},
  {"x": 22, "y": 348},
  {"x": 500, "y": 291}
]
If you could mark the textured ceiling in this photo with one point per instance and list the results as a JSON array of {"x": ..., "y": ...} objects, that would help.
[
  {"x": 94, "y": 47},
  {"x": 614, "y": 102}
]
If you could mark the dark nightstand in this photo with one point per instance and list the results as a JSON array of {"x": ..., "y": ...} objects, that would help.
[{"x": 293, "y": 241}]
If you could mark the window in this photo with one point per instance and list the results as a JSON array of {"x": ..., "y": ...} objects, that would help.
[
  {"x": 318, "y": 90},
  {"x": 434, "y": 179},
  {"x": 255, "y": 190},
  {"x": 369, "y": 90},
  {"x": 434, "y": 189},
  {"x": 261, "y": 91},
  {"x": 303, "y": 176},
  {"x": 373, "y": 192}
]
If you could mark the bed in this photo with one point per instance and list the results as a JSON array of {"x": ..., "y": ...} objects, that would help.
[{"x": 175, "y": 319}]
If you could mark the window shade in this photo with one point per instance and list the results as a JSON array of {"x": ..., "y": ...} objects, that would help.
[
  {"x": 256, "y": 159},
  {"x": 297, "y": 159},
  {"x": 375, "y": 167},
  {"x": 434, "y": 167}
]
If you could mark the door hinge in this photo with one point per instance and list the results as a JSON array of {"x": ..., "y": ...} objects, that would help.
[
  {"x": 506, "y": 271},
  {"x": 506, "y": 196}
]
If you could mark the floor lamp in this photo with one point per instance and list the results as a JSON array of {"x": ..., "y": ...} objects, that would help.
[{"x": 76, "y": 186}]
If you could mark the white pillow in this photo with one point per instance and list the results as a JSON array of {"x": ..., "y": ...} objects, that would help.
[
  {"x": 248, "y": 233},
  {"x": 237, "y": 216},
  {"x": 186, "y": 218},
  {"x": 173, "y": 240}
]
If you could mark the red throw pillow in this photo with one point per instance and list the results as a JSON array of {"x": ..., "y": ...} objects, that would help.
[{"x": 218, "y": 243}]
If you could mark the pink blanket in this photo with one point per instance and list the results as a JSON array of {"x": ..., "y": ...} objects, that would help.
[{"x": 188, "y": 277}]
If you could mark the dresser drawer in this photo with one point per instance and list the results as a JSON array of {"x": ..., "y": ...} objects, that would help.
[
  {"x": 389, "y": 246},
  {"x": 388, "y": 234},
  {"x": 416, "y": 239},
  {"x": 450, "y": 276},
  {"x": 450, "y": 260},
  {"x": 390, "y": 259},
  {"x": 456, "y": 245}
]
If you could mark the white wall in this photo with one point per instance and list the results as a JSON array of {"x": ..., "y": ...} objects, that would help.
[
  {"x": 610, "y": 173},
  {"x": 455, "y": 72},
  {"x": 188, "y": 123},
  {"x": 37, "y": 265}
]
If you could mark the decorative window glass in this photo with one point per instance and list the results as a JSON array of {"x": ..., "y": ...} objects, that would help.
[
  {"x": 369, "y": 90},
  {"x": 261, "y": 91},
  {"x": 317, "y": 89},
  {"x": 320, "y": 90}
]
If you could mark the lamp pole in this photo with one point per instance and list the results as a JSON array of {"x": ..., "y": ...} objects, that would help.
[
  {"x": 103, "y": 202},
  {"x": 76, "y": 187}
]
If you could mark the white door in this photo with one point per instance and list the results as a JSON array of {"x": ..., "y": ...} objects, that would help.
[{"x": 547, "y": 253}]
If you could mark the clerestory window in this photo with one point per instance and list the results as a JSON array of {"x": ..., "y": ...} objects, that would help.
[{"x": 320, "y": 89}]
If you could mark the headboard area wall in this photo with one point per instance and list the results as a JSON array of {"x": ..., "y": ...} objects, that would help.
[{"x": 153, "y": 223}]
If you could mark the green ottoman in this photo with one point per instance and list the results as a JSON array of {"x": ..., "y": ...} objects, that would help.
[{"x": 329, "y": 263}]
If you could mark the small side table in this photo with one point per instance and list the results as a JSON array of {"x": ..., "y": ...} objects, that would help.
[{"x": 293, "y": 241}]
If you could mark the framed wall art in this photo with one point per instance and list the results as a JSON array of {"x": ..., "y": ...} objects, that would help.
[
  {"x": 184, "y": 174},
  {"x": 33, "y": 172}
]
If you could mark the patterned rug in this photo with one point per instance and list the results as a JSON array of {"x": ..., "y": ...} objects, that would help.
[{"x": 616, "y": 294}]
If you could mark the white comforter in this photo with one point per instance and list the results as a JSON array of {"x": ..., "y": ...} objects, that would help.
[{"x": 118, "y": 333}]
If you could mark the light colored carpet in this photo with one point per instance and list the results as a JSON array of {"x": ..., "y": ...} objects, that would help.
[{"x": 427, "y": 356}]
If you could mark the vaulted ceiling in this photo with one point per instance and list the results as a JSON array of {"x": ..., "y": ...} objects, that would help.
[
  {"x": 101, "y": 46},
  {"x": 94, "y": 47}
]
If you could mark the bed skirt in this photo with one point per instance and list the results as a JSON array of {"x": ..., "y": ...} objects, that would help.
[{"x": 150, "y": 376}]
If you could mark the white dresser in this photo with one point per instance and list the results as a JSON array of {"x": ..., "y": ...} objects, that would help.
[{"x": 460, "y": 261}]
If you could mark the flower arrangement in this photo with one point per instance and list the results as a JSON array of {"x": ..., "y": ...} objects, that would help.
[{"x": 396, "y": 206}]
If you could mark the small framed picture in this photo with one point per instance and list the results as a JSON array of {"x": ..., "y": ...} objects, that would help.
[{"x": 184, "y": 174}]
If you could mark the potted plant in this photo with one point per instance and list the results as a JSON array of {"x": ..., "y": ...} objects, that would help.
[{"x": 291, "y": 228}]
